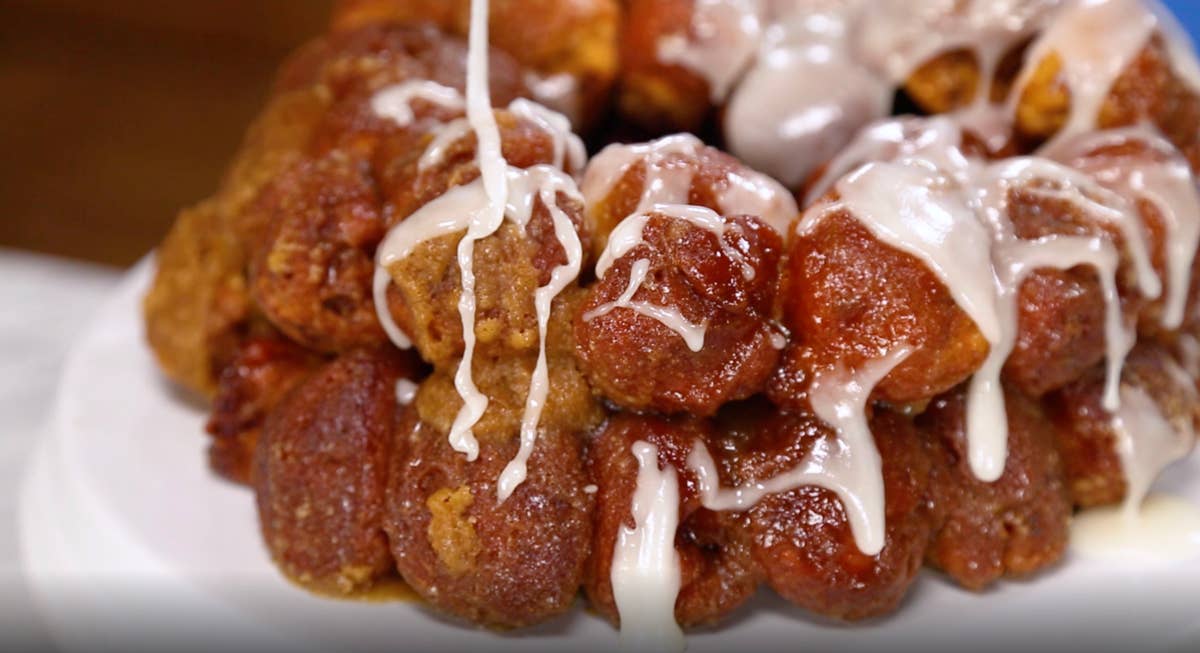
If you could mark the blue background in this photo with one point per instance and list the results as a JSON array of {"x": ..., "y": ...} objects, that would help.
[{"x": 1188, "y": 12}]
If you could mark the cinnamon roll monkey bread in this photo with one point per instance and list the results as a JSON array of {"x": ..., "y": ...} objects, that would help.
[{"x": 845, "y": 290}]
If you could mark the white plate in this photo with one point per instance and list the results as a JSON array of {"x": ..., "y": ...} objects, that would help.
[{"x": 130, "y": 541}]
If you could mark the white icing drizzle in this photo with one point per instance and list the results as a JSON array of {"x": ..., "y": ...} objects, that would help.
[
  {"x": 645, "y": 571},
  {"x": 745, "y": 192},
  {"x": 898, "y": 36},
  {"x": 557, "y": 91},
  {"x": 395, "y": 101},
  {"x": 483, "y": 222},
  {"x": 805, "y": 94},
  {"x": 1146, "y": 443},
  {"x": 459, "y": 208},
  {"x": 1166, "y": 181},
  {"x": 668, "y": 316},
  {"x": 406, "y": 391},
  {"x": 932, "y": 138},
  {"x": 629, "y": 234},
  {"x": 480, "y": 207},
  {"x": 568, "y": 148},
  {"x": 447, "y": 135},
  {"x": 661, "y": 187},
  {"x": 723, "y": 38},
  {"x": 543, "y": 298},
  {"x": 850, "y": 55},
  {"x": 1090, "y": 63},
  {"x": 848, "y": 465},
  {"x": 951, "y": 212}
]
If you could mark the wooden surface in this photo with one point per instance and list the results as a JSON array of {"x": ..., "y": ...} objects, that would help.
[{"x": 115, "y": 113}]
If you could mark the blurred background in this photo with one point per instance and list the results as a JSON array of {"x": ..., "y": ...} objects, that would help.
[{"x": 115, "y": 113}]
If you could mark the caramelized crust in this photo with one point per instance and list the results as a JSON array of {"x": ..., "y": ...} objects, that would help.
[
  {"x": 851, "y": 298},
  {"x": 1014, "y": 526},
  {"x": 569, "y": 404},
  {"x": 801, "y": 538},
  {"x": 639, "y": 363},
  {"x": 501, "y": 565},
  {"x": 713, "y": 173},
  {"x": 199, "y": 306},
  {"x": 311, "y": 274},
  {"x": 717, "y": 570},
  {"x": 323, "y": 461},
  {"x": 1061, "y": 313},
  {"x": 577, "y": 39}
]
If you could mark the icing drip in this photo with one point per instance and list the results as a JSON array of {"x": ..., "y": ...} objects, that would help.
[
  {"x": 562, "y": 276},
  {"x": 395, "y": 101},
  {"x": 457, "y": 209},
  {"x": 1147, "y": 442},
  {"x": 406, "y": 391},
  {"x": 443, "y": 138},
  {"x": 629, "y": 234},
  {"x": 787, "y": 128},
  {"x": 933, "y": 138},
  {"x": 951, "y": 212},
  {"x": 557, "y": 91},
  {"x": 848, "y": 465},
  {"x": 568, "y": 148},
  {"x": 645, "y": 565},
  {"x": 1089, "y": 65},
  {"x": 724, "y": 37},
  {"x": 898, "y": 36},
  {"x": 745, "y": 193},
  {"x": 692, "y": 334},
  {"x": 1166, "y": 181},
  {"x": 851, "y": 54},
  {"x": 492, "y": 172},
  {"x": 479, "y": 208}
]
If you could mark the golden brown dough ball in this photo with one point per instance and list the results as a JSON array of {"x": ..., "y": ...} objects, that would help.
[
  {"x": 323, "y": 462},
  {"x": 716, "y": 180},
  {"x": 1014, "y": 526},
  {"x": 1061, "y": 313},
  {"x": 850, "y": 298},
  {"x": 262, "y": 372},
  {"x": 577, "y": 39},
  {"x": 661, "y": 97},
  {"x": 311, "y": 274},
  {"x": 199, "y": 305},
  {"x": 802, "y": 539},
  {"x": 509, "y": 265},
  {"x": 717, "y": 570},
  {"x": 1083, "y": 427},
  {"x": 502, "y": 565},
  {"x": 639, "y": 362}
]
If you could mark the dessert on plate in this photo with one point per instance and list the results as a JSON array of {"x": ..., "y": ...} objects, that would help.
[{"x": 845, "y": 289}]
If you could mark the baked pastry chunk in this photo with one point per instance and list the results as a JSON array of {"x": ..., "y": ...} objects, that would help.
[{"x": 938, "y": 293}]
